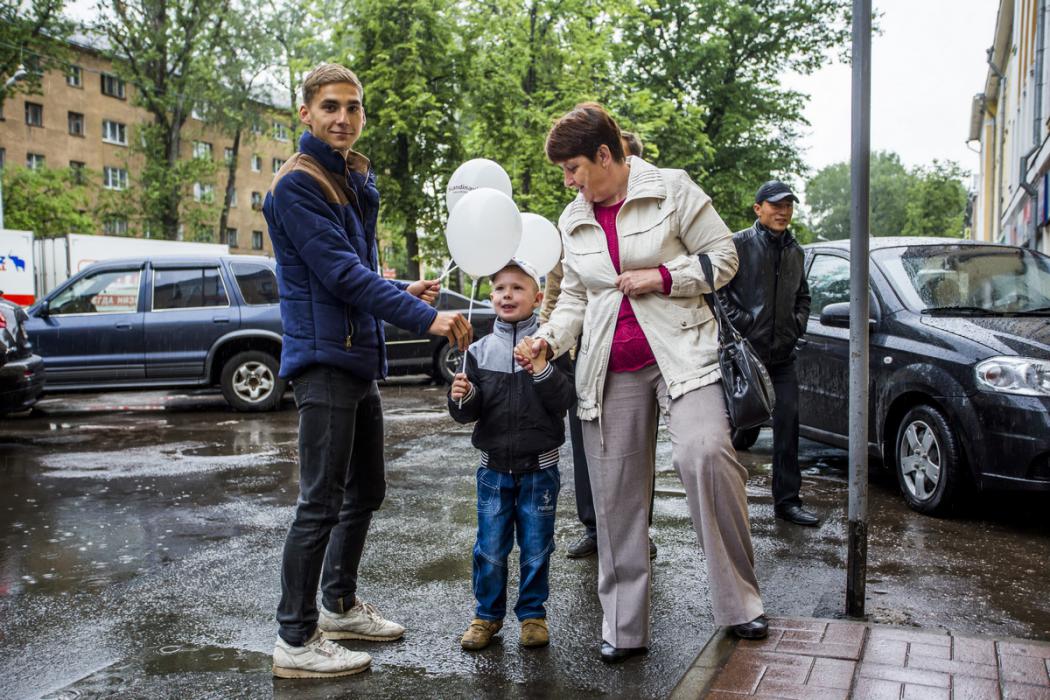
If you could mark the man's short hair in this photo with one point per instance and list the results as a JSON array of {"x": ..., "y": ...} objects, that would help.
[
  {"x": 582, "y": 132},
  {"x": 634, "y": 144},
  {"x": 326, "y": 74}
]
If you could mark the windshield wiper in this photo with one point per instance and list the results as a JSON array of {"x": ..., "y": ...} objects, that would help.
[{"x": 959, "y": 311}]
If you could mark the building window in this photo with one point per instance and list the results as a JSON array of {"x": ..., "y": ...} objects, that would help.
[
  {"x": 277, "y": 163},
  {"x": 114, "y": 178},
  {"x": 256, "y": 200},
  {"x": 3, "y": 157},
  {"x": 233, "y": 198},
  {"x": 114, "y": 132},
  {"x": 257, "y": 127},
  {"x": 202, "y": 149},
  {"x": 75, "y": 77},
  {"x": 76, "y": 124},
  {"x": 256, "y": 163},
  {"x": 112, "y": 86},
  {"x": 34, "y": 114},
  {"x": 227, "y": 155},
  {"x": 256, "y": 240},
  {"x": 231, "y": 237},
  {"x": 34, "y": 160},
  {"x": 203, "y": 193},
  {"x": 115, "y": 226},
  {"x": 76, "y": 167},
  {"x": 280, "y": 131}
]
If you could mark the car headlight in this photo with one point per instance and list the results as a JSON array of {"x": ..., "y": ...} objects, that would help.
[{"x": 1026, "y": 376}]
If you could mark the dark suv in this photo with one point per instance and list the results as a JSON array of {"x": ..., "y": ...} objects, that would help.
[
  {"x": 21, "y": 372},
  {"x": 192, "y": 321},
  {"x": 165, "y": 322}
]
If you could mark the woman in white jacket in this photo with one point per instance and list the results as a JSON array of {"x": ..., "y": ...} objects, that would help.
[{"x": 633, "y": 286}]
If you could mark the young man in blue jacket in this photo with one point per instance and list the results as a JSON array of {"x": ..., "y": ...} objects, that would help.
[{"x": 321, "y": 211}]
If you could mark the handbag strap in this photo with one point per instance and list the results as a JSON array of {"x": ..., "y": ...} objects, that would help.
[{"x": 726, "y": 329}]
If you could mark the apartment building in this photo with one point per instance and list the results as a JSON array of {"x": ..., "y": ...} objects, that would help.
[
  {"x": 1010, "y": 119},
  {"x": 85, "y": 118}
]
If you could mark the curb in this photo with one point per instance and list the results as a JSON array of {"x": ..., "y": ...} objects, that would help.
[{"x": 705, "y": 666}]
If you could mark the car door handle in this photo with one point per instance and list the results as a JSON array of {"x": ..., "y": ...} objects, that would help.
[
  {"x": 122, "y": 326},
  {"x": 220, "y": 319}
]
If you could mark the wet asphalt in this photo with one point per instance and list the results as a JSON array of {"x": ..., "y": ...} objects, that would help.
[{"x": 140, "y": 538}]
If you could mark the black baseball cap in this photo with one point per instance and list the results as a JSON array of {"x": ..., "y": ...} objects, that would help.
[{"x": 774, "y": 191}]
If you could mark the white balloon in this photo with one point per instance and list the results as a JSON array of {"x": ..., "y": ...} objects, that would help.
[
  {"x": 483, "y": 231},
  {"x": 540, "y": 243},
  {"x": 475, "y": 174}
]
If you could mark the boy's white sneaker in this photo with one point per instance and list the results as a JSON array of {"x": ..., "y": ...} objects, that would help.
[
  {"x": 362, "y": 621},
  {"x": 318, "y": 658}
]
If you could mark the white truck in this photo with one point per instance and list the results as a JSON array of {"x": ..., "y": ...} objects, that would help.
[{"x": 29, "y": 268}]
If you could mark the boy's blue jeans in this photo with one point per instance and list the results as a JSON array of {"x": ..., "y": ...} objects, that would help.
[{"x": 509, "y": 504}]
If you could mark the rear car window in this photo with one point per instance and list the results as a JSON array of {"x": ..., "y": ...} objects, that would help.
[
  {"x": 188, "y": 288},
  {"x": 257, "y": 283}
]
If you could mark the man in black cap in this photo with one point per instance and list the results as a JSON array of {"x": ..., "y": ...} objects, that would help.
[{"x": 768, "y": 302}]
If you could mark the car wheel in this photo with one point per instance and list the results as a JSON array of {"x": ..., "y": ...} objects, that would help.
[
  {"x": 928, "y": 461},
  {"x": 447, "y": 363},
  {"x": 250, "y": 383},
  {"x": 744, "y": 439}
]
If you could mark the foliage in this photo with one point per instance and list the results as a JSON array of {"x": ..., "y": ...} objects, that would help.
[
  {"x": 531, "y": 61},
  {"x": 937, "y": 201},
  {"x": 702, "y": 81},
  {"x": 32, "y": 35},
  {"x": 408, "y": 56},
  {"x": 50, "y": 202},
  {"x": 927, "y": 201}
]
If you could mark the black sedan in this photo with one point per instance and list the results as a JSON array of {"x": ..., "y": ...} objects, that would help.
[
  {"x": 408, "y": 353},
  {"x": 21, "y": 372},
  {"x": 959, "y": 364}
]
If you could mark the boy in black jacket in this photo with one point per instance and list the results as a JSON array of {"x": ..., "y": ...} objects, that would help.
[{"x": 520, "y": 426}]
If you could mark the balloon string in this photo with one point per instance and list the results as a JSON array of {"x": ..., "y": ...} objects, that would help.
[
  {"x": 448, "y": 272},
  {"x": 470, "y": 311}
]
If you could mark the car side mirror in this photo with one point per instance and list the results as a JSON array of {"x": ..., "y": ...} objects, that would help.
[
  {"x": 837, "y": 315},
  {"x": 44, "y": 310}
]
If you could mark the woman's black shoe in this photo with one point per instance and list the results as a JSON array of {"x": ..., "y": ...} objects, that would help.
[
  {"x": 756, "y": 629},
  {"x": 614, "y": 655}
]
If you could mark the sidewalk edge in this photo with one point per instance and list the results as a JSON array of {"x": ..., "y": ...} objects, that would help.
[{"x": 705, "y": 666}]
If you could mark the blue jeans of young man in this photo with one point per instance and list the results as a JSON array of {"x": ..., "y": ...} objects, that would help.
[
  {"x": 342, "y": 482},
  {"x": 509, "y": 505}
]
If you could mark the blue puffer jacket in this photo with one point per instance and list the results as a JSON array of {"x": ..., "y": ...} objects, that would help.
[{"x": 333, "y": 302}]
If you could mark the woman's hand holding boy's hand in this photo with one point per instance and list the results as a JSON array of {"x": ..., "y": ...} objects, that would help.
[
  {"x": 531, "y": 355},
  {"x": 461, "y": 386}
]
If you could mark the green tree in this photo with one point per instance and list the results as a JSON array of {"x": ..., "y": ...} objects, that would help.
[
  {"x": 163, "y": 48},
  {"x": 925, "y": 201},
  {"x": 407, "y": 55},
  {"x": 32, "y": 37},
  {"x": 937, "y": 201},
  {"x": 530, "y": 62},
  {"x": 49, "y": 202},
  {"x": 706, "y": 82},
  {"x": 236, "y": 101}
]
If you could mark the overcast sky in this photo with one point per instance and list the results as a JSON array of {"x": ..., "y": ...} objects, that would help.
[{"x": 927, "y": 64}]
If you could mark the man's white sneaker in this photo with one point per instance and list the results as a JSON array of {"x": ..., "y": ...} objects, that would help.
[
  {"x": 318, "y": 658},
  {"x": 362, "y": 621}
]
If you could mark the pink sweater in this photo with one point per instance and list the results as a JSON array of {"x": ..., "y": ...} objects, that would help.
[{"x": 630, "y": 348}]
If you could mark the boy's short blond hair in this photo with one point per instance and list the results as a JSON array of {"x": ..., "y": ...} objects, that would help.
[{"x": 326, "y": 74}]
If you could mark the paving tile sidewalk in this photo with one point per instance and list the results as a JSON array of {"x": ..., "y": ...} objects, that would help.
[{"x": 828, "y": 659}]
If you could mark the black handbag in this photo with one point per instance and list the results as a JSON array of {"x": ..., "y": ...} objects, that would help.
[{"x": 747, "y": 386}]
